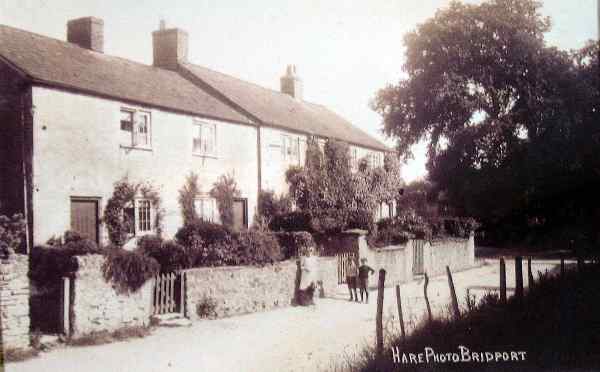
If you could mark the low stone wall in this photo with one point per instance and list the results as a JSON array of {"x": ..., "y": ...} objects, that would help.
[
  {"x": 240, "y": 290},
  {"x": 395, "y": 260},
  {"x": 456, "y": 253},
  {"x": 97, "y": 306},
  {"x": 328, "y": 275},
  {"x": 14, "y": 302}
]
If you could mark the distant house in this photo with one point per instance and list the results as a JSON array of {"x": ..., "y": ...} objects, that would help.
[{"x": 74, "y": 120}]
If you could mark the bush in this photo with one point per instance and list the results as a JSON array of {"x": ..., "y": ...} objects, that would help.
[
  {"x": 12, "y": 234},
  {"x": 206, "y": 307},
  {"x": 270, "y": 205},
  {"x": 208, "y": 232},
  {"x": 128, "y": 271},
  {"x": 258, "y": 248},
  {"x": 293, "y": 221},
  {"x": 170, "y": 255},
  {"x": 48, "y": 264},
  {"x": 294, "y": 243}
]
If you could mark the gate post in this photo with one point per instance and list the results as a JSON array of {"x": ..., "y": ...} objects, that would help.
[{"x": 66, "y": 296}]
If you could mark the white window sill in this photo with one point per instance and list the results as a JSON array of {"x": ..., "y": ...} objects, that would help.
[
  {"x": 202, "y": 155},
  {"x": 136, "y": 148}
]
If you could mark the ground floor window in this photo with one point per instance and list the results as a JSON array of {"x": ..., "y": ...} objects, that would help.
[{"x": 206, "y": 208}]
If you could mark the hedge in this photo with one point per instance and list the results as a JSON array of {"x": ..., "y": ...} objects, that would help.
[
  {"x": 295, "y": 243},
  {"x": 128, "y": 271}
]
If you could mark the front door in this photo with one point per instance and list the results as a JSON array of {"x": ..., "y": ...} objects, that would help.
[
  {"x": 240, "y": 214},
  {"x": 84, "y": 217}
]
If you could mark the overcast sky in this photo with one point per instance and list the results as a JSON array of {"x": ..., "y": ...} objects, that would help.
[{"x": 344, "y": 50}]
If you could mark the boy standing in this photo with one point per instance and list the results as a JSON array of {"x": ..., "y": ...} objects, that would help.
[
  {"x": 351, "y": 273},
  {"x": 363, "y": 278}
]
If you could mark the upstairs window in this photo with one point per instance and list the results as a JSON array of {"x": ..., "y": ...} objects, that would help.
[
  {"x": 135, "y": 129},
  {"x": 204, "y": 141}
]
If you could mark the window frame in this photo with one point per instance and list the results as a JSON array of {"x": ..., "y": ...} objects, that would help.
[
  {"x": 198, "y": 126},
  {"x": 200, "y": 208},
  {"x": 135, "y": 113}
]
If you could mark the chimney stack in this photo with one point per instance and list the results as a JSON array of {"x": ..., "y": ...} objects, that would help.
[
  {"x": 291, "y": 84},
  {"x": 87, "y": 32},
  {"x": 170, "y": 47}
]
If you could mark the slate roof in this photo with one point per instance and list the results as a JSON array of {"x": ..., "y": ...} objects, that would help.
[
  {"x": 65, "y": 65},
  {"x": 281, "y": 110}
]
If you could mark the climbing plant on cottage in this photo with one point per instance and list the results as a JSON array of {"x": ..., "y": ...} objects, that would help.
[
  {"x": 333, "y": 195},
  {"x": 225, "y": 190},
  {"x": 119, "y": 214}
]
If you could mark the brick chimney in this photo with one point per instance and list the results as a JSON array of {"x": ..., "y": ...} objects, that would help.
[
  {"x": 291, "y": 84},
  {"x": 87, "y": 32},
  {"x": 170, "y": 46}
]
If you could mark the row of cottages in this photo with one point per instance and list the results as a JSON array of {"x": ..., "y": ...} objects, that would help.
[{"x": 74, "y": 120}]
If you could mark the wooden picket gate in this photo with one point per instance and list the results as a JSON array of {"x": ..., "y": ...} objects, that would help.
[
  {"x": 168, "y": 293},
  {"x": 418, "y": 257},
  {"x": 342, "y": 264}
]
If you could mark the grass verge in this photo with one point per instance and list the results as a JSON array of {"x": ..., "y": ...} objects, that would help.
[{"x": 555, "y": 327}]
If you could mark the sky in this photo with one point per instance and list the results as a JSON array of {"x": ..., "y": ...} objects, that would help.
[{"x": 344, "y": 51}]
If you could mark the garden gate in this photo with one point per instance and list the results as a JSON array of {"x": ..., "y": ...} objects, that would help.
[
  {"x": 418, "y": 262},
  {"x": 342, "y": 264},
  {"x": 169, "y": 293}
]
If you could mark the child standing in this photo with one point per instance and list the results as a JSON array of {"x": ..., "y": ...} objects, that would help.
[
  {"x": 351, "y": 273},
  {"x": 363, "y": 278}
]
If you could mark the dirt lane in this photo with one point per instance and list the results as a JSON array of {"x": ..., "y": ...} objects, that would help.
[{"x": 290, "y": 339}]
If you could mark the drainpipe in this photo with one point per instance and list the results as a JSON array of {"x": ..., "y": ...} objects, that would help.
[{"x": 28, "y": 231}]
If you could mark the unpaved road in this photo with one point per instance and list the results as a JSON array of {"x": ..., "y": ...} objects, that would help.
[{"x": 312, "y": 338}]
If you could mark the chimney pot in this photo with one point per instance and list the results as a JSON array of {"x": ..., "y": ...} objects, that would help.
[{"x": 87, "y": 32}]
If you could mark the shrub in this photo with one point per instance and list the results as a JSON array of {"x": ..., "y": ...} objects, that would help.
[
  {"x": 170, "y": 255},
  {"x": 209, "y": 233},
  {"x": 219, "y": 253},
  {"x": 48, "y": 264},
  {"x": 128, "y": 271},
  {"x": 294, "y": 243},
  {"x": 12, "y": 234},
  {"x": 270, "y": 205},
  {"x": 258, "y": 248},
  {"x": 293, "y": 221},
  {"x": 206, "y": 307}
]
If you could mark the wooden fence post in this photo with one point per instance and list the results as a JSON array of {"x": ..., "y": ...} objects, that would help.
[
  {"x": 502, "y": 281},
  {"x": 182, "y": 293},
  {"x": 529, "y": 273},
  {"x": 66, "y": 298},
  {"x": 379, "y": 318},
  {"x": 427, "y": 298},
  {"x": 400, "y": 317},
  {"x": 453, "y": 294},
  {"x": 519, "y": 277}
]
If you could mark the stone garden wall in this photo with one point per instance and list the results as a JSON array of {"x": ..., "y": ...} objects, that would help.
[
  {"x": 240, "y": 289},
  {"x": 97, "y": 306},
  {"x": 14, "y": 302},
  {"x": 458, "y": 254}
]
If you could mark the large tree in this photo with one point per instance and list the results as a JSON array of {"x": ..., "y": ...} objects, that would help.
[{"x": 509, "y": 122}]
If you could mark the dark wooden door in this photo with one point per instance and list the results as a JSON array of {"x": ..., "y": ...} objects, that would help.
[
  {"x": 240, "y": 214},
  {"x": 84, "y": 217}
]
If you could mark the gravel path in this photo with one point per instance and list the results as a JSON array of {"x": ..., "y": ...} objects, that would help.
[{"x": 312, "y": 338}]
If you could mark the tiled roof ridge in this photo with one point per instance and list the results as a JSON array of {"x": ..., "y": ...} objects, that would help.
[{"x": 77, "y": 47}]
